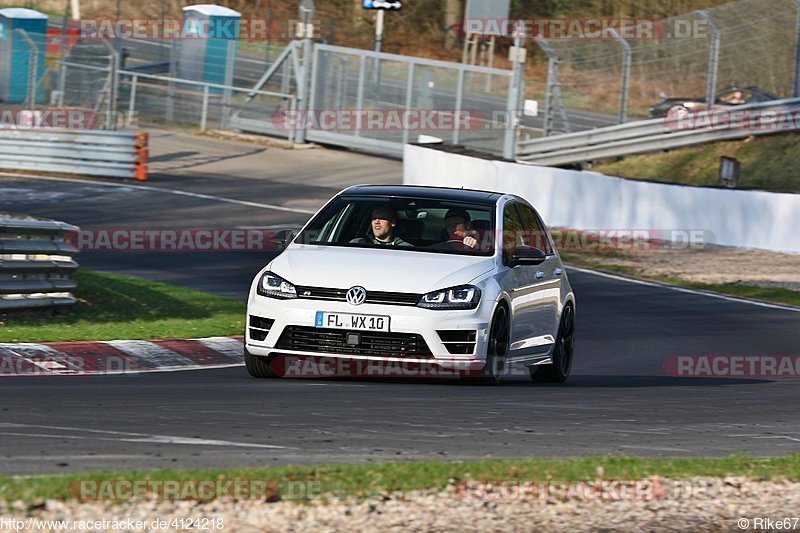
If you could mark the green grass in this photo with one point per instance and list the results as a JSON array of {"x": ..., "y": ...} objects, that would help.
[
  {"x": 751, "y": 292},
  {"x": 118, "y": 307},
  {"x": 769, "y": 162},
  {"x": 369, "y": 480}
]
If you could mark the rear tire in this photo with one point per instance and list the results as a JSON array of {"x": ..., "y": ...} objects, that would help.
[
  {"x": 496, "y": 351},
  {"x": 677, "y": 112},
  {"x": 563, "y": 352},
  {"x": 257, "y": 366}
]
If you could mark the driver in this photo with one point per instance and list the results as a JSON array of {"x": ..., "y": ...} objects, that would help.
[
  {"x": 383, "y": 225},
  {"x": 459, "y": 227}
]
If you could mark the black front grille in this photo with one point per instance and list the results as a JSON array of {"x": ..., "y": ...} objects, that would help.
[
  {"x": 259, "y": 327},
  {"x": 379, "y": 344},
  {"x": 373, "y": 297},
  {"x": 321, "y": 293},
  {"x": 393, "y": 298}
]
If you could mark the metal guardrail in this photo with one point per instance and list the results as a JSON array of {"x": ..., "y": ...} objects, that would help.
[
  {"x": 95, "y": 153},
  {"x": 36, "y": 263},
  {"x": 646, "y": 136}
]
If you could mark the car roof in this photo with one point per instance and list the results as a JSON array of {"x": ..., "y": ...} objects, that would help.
[{"x": 438, "y": 193}]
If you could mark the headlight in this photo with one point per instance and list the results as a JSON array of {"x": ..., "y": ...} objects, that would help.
[
  {"x": 275, "y": 287},
  {"x": 463, "y": 297}
]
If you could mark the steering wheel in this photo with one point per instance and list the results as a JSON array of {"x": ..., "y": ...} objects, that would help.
[{"x": 456, "y": 242}]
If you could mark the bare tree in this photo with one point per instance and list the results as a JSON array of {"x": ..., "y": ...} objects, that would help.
[{"x": 453, "y": 12}]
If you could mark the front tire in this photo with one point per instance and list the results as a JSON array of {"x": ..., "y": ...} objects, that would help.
[
  {"x": 257, "y": 366},
  {"x": 563, "y": 352},
  {"x": 496, "y": 350}
]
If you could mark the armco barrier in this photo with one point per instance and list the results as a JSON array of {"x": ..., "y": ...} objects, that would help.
[
  {"x": 592, "y": 201},
  {"x": 113, "y": 154},
  {"x": 651, "y": 135},
  {"x": 35, "y": 263}
]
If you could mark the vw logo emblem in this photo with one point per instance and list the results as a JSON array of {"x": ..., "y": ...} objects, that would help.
[{"x": 356, "y": 295}]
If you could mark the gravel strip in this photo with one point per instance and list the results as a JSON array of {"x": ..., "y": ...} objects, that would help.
[
  {"x": 711, "y": 264},
  {"x": 699, "y": 504}
]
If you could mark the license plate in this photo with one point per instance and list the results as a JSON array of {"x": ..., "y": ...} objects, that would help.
[{"x": 350, "y": 321}]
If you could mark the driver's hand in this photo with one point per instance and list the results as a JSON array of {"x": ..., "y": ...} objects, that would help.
[{"x": 470, "y": 242}]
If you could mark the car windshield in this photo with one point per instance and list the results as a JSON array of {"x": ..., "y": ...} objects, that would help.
[{"x": 411, "y": 224}]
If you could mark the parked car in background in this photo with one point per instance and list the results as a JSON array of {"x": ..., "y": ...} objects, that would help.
[{"x": 730, "y": 96}]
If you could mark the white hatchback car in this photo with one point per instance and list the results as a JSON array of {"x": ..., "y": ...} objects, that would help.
[{"x": 450, "y": 279}]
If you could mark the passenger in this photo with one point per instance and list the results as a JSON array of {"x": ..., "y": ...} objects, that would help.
[
  {"x": 735, "y": 99},
  {"x": 383, "y": 225},
  {"x": 459, "y": 228}
]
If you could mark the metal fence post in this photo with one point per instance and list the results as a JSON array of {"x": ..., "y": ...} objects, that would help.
[
  {"x": 514, "y": 93},
  {"x": 304, "y": 82},
  {"x": 713, "y": 58},
  {"x": 362, "y": 69},
  {"x": 114, "y": 89},
  {"x": 132, "y": 99},
  {"x": 293, "y": 113},
  {"x": 227, "y": 94},
  {"x": 62, "y": 83},
  {"x": 626, "y": 75},
  {"x": 459, "y": 103},
  {"x": 111, "y": 84},
  {"x": 796, "y": 84},
  {"x": 409, "y": 99},
  {"x": 552, "y": 65},
  {"x": 204, "y": 111},
  {"x": 169, "y": 109},
  {"x": 30, "y": 97},
  {"x": 341, "y": 84}
]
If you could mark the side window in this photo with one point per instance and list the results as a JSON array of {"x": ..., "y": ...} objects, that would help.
[
  {"x": 535, "y": 233},
  {"x": 512, "y": 231}
]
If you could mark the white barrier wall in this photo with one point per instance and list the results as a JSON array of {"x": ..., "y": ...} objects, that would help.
[{"x": 592, "y": 201}]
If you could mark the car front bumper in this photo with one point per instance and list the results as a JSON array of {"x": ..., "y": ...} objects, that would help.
[{"x": 402, "y": 320}]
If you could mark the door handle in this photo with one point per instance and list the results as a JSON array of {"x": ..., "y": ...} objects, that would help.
[
  {"x": 539, "y": 275},
  {"x": 558, "y": 271}
]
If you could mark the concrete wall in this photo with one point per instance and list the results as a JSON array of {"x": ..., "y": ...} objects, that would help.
[{"x": 587, "y": 200}]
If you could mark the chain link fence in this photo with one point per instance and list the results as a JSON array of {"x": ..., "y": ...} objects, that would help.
[
  {"x": 459, "y": 104},
  {"x": 91, "y": 80},
  {"x": 252, "y": 86},
  {"x": 595, "y": 82}
]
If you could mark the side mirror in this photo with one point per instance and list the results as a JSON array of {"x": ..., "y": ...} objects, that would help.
[
  {"x": 527, "y": 256},
  {"x": 282, "y": 238}
]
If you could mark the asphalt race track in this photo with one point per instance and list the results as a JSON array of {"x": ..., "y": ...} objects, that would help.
[{"x": 619, "y": 399}]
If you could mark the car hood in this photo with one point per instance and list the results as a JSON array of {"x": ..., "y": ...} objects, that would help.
[{"x": 377, "y": 270}]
